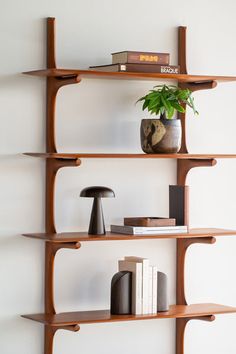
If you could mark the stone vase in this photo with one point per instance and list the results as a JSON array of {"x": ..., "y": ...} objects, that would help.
[{"x": 161, "y": 136}]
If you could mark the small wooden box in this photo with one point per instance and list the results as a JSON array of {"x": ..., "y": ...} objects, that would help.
[{"x": 149, "y": 221}]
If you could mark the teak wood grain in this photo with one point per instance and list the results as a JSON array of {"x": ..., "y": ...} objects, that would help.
[
  {"x": 84, "y": 237},
  {"x": 92, "y": 74},
  {"x": 85, "y": 317},
  {"x": 130, "y": 156}
]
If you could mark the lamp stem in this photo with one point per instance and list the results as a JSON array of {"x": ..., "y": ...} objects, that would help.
[{"x": 96, "y": 225}]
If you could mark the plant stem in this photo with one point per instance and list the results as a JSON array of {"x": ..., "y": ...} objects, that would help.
[{"x": 163, "y": 115}]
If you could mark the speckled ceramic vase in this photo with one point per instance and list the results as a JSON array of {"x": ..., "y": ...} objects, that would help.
[{"x": 161, "y": 136}]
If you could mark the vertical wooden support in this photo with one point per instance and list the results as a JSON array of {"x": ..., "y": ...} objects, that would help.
[
  {"x": 179, "y": 206},
  {"x": 52, "y": 167},
  {"x": 192, "y": 86},
  {"x": 51, "y": 50},
  {"x": 183, "y": 70},
  {"x": 179, "y": 193}
]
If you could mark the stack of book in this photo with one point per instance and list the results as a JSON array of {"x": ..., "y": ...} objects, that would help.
[
  {"x": 145, "y": 285},
  {"x": 146, "y": 62},
  {"x": 149, "y": 226}
]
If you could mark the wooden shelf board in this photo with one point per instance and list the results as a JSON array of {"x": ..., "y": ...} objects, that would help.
[
  {"x": 132, "y": 156},
  {"x": 83, "y": 236},
  {"x": 60, "y": 73},
  {"x": 175, "y": 311}
]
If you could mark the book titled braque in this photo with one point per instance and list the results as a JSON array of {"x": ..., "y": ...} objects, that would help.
[
  {"x": 140, "y": 57},
  {"x": 143, "y": 68},
  {"x": 138, "y": 230}
]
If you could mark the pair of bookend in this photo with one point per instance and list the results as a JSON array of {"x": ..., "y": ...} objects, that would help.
[
  {"x": 96, "y": 225},
  {"x": 121, "y": 293}
]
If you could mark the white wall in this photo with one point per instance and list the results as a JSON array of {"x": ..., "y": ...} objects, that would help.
[{"x": 100, "y": 116}]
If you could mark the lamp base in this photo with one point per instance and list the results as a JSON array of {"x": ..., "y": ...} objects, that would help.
[{"x": 96, "y": 225}]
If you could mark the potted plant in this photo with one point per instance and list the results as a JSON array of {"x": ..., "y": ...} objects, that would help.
[{"x": 163, "y": 134}]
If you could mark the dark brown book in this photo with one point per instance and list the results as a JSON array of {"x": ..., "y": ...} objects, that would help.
[
  {"x": 142, "y": 68},
  {"x": 140, "y": 58},
  {"x": 149, "y": 221}
]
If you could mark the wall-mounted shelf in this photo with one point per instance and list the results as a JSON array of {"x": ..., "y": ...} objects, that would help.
[
  {"x": 83, "y": 236},
  {"x": 179, "y": 156},
  {"x": 175, "y": 311},
  {"x": 91, "y": 74}
]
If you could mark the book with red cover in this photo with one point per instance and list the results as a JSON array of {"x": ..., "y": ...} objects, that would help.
[
  {"x": 140, "y": 57},
  {"x": 143, "y": 68}
]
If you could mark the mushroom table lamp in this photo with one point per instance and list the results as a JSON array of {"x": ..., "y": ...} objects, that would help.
[{"x": 96, "y": 225}]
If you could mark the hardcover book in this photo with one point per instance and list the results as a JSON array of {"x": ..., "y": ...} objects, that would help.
[
  {"x": 150, "y": 288},
  {"x": 154, "y": 289},
  {"x": 142, "y": 68},
  {"x": 140, "y": 57},
  {"x": 136, "y": 230},
  {"x": 136, "y": 269},
  {"x": 145, "y": 283}
]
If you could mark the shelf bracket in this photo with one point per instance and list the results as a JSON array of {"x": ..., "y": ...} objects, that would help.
[
  {"x": 197, "y": 86},
  {"x": 50, "y": 253},
  {"x": 184, "y": 166},
  {"x": 53, "y": 85},
  {"x": 52, "y": 167},
  {"x": 182, "y": 247},
  {"x": 180, "y": 330},
  {"x": 49, "y": 333}
]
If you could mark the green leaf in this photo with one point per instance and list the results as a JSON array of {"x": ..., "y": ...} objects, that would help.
[
  {"x": 145, "y": 104},
  {"x": 178, "y": 107},
  {"x": 167, "y": 99}
]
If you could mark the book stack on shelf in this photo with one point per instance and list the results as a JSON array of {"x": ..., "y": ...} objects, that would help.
[
  {"x": 149, "y": 226},
  {"x": 146, "y": 62},
  {"x": 149, "y": 286}
]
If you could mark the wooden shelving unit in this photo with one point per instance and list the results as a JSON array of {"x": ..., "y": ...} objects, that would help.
[
  {"x": 175, "y": 311},
  {"x": 182, "y": 312}
]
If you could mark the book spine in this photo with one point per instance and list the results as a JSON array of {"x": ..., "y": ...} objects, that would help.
[
  {"x": 156, "y": 228},
  {"x": 141, "y": 229},
  {"x": 136, "y": 269},
  {"x": 122, "y": 229},
  {"x": 154, "y": 289},
  {"x": 148, "y": 58},
  {"x": 151, "y": 68},
  {"x": 156, "y": 232},
  {"x": 150, "y": 289},
  {"x": 145, "y": 293},
  {"x": 145, "y": 280}
]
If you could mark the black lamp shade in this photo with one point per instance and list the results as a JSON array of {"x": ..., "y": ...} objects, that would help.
[{"x": 96, "y": 225}]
